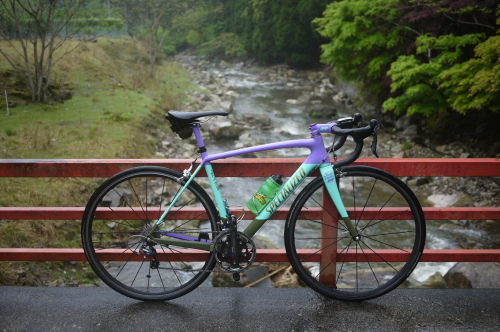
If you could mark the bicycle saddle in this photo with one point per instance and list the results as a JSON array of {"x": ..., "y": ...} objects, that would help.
[
  {"x": 181, "y": 121},
  {"x": 190, "y": 117}
]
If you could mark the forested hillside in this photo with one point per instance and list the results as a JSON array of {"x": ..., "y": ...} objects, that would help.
[{"x": 434, "y": 59}]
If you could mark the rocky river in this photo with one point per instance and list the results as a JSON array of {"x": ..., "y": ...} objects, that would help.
[{"x": 268, "y": 104}]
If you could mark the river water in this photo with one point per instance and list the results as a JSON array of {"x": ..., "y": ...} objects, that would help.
[{"x": 279, "y": 99}]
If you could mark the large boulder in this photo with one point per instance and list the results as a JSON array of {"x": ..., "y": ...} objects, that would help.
[
  {"x": 226, "y": 129},
  {"x": 257, "y": 119},
  {"x": 473, "y": 275},
  {"x": 434, "y": 281}
]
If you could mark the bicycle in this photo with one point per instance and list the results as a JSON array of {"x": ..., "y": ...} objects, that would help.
[{"x": 154, "y": 234}]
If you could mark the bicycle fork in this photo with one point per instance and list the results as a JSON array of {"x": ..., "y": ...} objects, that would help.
[{"x": 328, "y": 174}]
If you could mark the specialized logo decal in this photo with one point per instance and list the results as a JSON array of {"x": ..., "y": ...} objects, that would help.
[
  {"x": 329, "y": 176},
  {"x": 287, "y": 190},
  {"x": 211, "y": 175}
]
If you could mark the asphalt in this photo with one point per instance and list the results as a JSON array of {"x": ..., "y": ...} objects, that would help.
[{"x": 249, "y": 309}]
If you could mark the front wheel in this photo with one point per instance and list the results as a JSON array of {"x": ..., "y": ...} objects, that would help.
[
  {"x": 117, "y": 227},
  {"x": 390, "y": 223}
]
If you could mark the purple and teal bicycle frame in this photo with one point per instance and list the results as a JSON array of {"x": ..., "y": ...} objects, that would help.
[{"x": 318, "y": 159}]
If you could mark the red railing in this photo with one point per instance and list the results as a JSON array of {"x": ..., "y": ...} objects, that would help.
[{"x": 246, "y": 168}]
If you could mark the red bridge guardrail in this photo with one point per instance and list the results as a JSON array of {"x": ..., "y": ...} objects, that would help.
[{"x": 246, "y": 168}]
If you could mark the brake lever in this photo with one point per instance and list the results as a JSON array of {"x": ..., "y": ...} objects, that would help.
[{"x": 373, "y": 147}]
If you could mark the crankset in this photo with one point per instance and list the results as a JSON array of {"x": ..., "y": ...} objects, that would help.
[{"x": 234, "y": 254}]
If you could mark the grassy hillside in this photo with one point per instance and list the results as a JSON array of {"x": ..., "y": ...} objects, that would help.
[{"x": 114, "y": 112}]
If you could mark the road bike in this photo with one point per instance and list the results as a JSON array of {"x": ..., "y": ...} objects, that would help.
[{"x": 352, "y": 233}]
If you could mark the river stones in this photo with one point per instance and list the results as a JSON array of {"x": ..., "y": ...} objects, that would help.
[{"x": 473, "y": 275}]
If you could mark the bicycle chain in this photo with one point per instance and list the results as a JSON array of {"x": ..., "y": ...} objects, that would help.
[{"x": 186, "y": 270}]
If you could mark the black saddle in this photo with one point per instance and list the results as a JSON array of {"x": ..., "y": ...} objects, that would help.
[
  {"x": 181, "y": 121},
  {"x": 192, "y": 117}
]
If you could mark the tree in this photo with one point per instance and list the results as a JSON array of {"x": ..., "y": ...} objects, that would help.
[
  {"x": 444, "y": 81},
  {"x": 277, "y": 30},
  {"x": 364, "y": 39},
  {"x": 35, "y": 30},
  {"x": 455, "y": 64},
  {"x": 151, "y": 20},
  {"x": 420, "y": 56}
]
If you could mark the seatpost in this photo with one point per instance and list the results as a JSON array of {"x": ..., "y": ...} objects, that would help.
[{"x": 202, "y": 150}]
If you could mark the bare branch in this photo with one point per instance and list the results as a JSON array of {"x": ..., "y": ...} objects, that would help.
[{"x": 470, "y": 23}]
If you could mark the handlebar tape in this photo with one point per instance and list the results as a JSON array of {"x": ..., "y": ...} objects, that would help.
[{"x": 358, "y": 134}]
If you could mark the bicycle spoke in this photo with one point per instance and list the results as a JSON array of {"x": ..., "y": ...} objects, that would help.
[
  {"x": 374, "y": 217},
  {"x": 128, "y": 204},
  {"x": 366, "y": 201},
  {"x": 369, "y": 265},
  {"x": 328, "y": 225},
  {"x": 319, "y": 250},
  {"x": 387, "y": 244},
  {"x": 138, "y": 199},
  {"x": 161, "y": 199}
]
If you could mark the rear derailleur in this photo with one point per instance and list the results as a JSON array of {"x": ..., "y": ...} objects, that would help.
[{"x": 149, "y": 251}]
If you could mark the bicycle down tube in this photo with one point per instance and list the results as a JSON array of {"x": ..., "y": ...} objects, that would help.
[{"x": 318, "y": 158}]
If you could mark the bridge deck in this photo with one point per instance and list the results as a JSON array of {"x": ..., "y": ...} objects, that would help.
[{"x": 238, "y": 309}]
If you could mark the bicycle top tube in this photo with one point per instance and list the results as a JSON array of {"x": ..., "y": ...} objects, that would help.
[{"x": 315, "y": 144}]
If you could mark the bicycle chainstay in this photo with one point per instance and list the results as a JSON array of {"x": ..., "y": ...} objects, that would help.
[
  {"x": 195, "y": 270},
  {"x": 218, "y": 234}
]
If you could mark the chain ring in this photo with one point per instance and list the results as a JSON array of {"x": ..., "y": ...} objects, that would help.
[{"x": 246, "y": 252}]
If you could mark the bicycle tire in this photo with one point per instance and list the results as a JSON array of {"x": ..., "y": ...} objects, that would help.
[
  {"x": 347, "y": 269},
  {"x": 119, "y": 214}
]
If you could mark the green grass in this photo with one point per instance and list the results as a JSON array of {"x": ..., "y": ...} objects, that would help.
[
  {"x": 83, "y": 127},
  {"x": 406, "y": 146}
]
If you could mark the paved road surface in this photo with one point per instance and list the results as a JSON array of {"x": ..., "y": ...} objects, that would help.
[{"x": 238, "y": 309}]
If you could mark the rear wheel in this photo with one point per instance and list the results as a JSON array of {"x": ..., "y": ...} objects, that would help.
[
  {"x": 118, "y": 219},
  {"x": 390, "y": 223}
]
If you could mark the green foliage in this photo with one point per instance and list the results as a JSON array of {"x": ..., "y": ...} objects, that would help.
[
  {"x": 363, "y": 40},
  {"x": 406, "y": 146},
  {"x": 420, "y": 56},
  {"x": 413, "y": 77},
  {"x": 95, "y": 25},
  {"x": 270, "y": 30},
  {"x": 226, "y": 44},
  {"x": 446, "y": 80},
  {"x": 193, "y": 38},
  {"x": 474, "y": 84}
]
